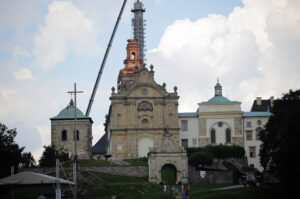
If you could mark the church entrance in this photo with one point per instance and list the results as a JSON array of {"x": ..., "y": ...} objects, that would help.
[
  {"x": 169, "y": 174},
  {"x": 143, "y": 146}
]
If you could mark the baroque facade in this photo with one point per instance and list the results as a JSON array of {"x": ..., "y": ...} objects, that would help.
[{"x": 141, "y": 110}]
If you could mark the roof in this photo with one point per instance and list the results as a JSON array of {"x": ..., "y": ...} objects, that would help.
[
  {"x": 219, "y": 100},
  {"x": 31, "y": 178},
  {"x": 218, "y": 85},
  {"x": 185, "y": 115},
  {"x": 264, "y": 107},
  {"x": 99, "y": 147},
  {"x": 69, "y": 112},
  {"x": 256, "y": 114}
]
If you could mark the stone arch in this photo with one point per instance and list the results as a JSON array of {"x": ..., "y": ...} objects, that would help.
[
  {"x": 168, "y": 173},
  {"x": 144, "y": 142}
]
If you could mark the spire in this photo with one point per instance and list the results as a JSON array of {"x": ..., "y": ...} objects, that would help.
[
  {"x": 218, "y": 88},
  {"x": 138, "y": 27}
]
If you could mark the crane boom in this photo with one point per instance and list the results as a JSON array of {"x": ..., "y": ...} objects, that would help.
[{"x": 88, "y": 110}]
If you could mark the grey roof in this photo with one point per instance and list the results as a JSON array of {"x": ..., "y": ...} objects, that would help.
[
  {"x": 264, "y": 107},
  {"x": 186, "y": 115},
  {"x": 256, "y": 114},
  {"x": 26, "y": 177},
  {"x": 99, "y": 147}
]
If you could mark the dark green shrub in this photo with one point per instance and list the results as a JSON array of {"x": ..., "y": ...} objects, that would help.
[
  {"x": 200, "y": 158},
  {"x": 220, "y": 151}
]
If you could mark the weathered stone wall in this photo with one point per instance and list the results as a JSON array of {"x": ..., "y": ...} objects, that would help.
[
  {"x": 216, "y": 177},
  {"x": 123, "y": 170},
  {"x": 84, "y": 144},
  {"x": 141, "y": 109}
]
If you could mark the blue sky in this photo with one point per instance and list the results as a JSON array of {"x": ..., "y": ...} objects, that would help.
[{"x": 46, "y": 46}]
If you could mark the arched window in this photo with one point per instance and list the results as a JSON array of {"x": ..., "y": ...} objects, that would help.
[
  {"x": 133, "y": 56},
  {"x": 257, "y": 130},
  {"x": 228, "y": 135},
  {"x": 213, "y": 136},
  {"x": 64, "y": 135},
  {"x": 77, "y": 135}
]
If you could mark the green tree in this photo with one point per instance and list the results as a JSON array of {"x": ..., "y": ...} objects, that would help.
[
  {"x": 279, "y": 152},
  {"x": 50, "y": 155},
  {"x": 27, "y": 160},
  {"x": 10, "y": 152}
]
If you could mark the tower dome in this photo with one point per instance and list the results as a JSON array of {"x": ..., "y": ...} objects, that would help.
[{"x": 69, "y": 112}]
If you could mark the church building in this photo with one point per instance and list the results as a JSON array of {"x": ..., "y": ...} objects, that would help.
[{"x": 141, "y": 110}]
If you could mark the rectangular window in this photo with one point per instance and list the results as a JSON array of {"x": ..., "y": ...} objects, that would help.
[
  {"x": 248, "y": 124},
  {"x": 185, "y": 143},
  {"x": 249, "y": 135},
  {"x": 252, "y": 153},
  {"x": 184, "y": 125},
  {"x": 194, "y": 141}
]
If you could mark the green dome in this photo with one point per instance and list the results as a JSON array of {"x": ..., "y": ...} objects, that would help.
[
  {"x": 218, "y": 85},
  {"x": 218, "y": 99},
  {"x": 69, "y": 112}
]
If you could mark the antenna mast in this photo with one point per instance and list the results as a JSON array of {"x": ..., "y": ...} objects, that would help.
[{"x": 104, "y": 60}]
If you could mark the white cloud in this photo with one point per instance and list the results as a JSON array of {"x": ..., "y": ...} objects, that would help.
[
  {"x": 98, "y": 132},
  {"x": 18, "y": 52},
  {"x": 23, "y": 74},
  {"x": 45, "y": 135},
  {"x": 253, "y": 51},
  {"x": 66, "y": 30}
]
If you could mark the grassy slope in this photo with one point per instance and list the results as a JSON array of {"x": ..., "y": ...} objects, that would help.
[{"x": 263, "y": 192}]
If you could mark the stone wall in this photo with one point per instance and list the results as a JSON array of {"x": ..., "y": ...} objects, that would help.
[
  {"x": 216, "y": 177},
  {"x": 84, "y": 144},
  {"x": 123, "y": 170}
]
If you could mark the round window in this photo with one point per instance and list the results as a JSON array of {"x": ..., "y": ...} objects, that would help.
[
  {"x": 220, "y": 124},
  {"x": 258, "y": 122}
]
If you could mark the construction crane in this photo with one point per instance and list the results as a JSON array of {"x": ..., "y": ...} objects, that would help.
[{"x": 88, "y": 110}]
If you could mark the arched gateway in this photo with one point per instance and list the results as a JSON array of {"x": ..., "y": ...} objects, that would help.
[{"x": 168, "y": 155}]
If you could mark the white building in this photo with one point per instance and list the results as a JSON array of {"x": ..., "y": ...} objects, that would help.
[
  {"x": 221, "y": 121},
  {"x": 217, "y": 121},
  {"x": 253, "y": 123}
]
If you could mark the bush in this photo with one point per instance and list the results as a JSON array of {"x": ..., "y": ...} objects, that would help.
[
  {"x": 201, "y": 157},
  {"x": 220, "y": 151}
]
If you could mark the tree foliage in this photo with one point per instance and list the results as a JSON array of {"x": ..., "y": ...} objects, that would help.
[
  {"x": 50, "y": 155},
  {"x": 27, "y": 160},
  {"x": 200, "y": 158},
  {"x": 279, "y": 152},
  {"x": 220, "y": 151},
  {"x": 10, "y": 152}
]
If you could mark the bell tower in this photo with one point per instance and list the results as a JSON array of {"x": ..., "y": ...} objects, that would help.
[
  {"x": 132, "y": 62},
  {"x": 132, "y": 65}
]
